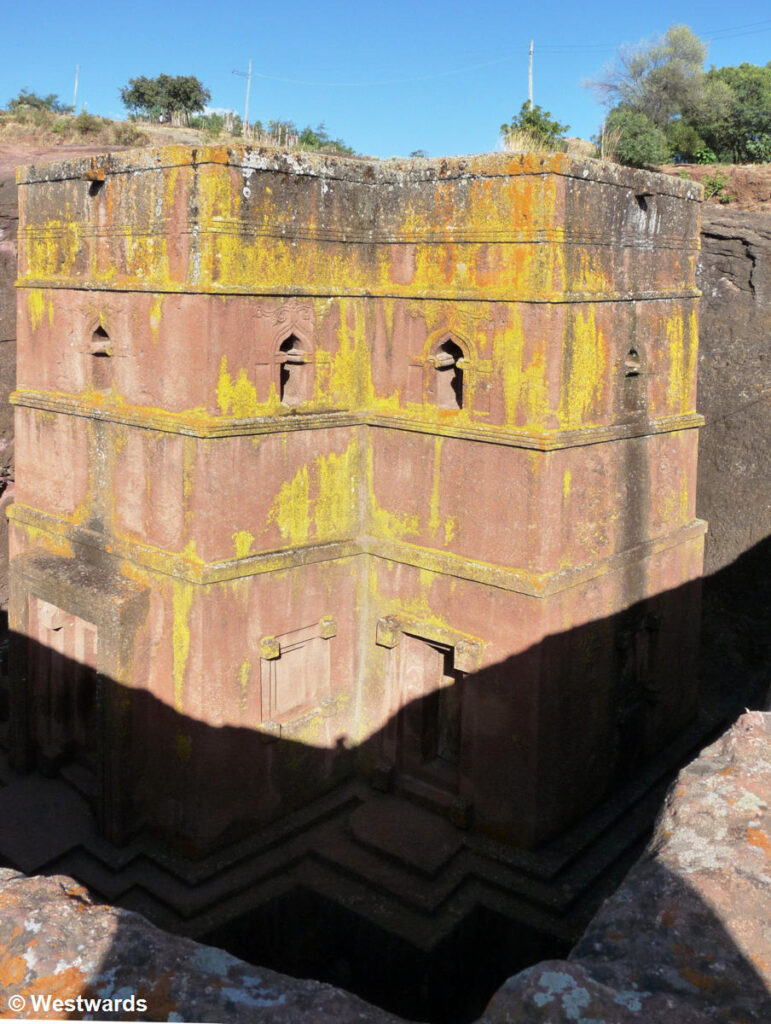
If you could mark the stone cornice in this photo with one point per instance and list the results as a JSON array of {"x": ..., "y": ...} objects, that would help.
[
  {"x": 195, "y": 423},
  {"x": 193, "y": 570},
  {"x": 453, "y": 294}
]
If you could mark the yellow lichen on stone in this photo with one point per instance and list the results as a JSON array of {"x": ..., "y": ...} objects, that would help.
[
  {"x": 433, "y": 505},
  {"x": 236, "y": 398},
  {"x": 450, "y": 529},
  {"x": 692, "y": 359},
  {"x": 291, "y": 508},
  {"x": 156, "y": 312},
  {"x": 35, "y": 306},
  {"x": 676, "y": 350},
  {"x": 320, "y": 502},
  {"x": 673, "y": 503},
  {"x": 182, "y": 603},
  {"x": 394, "y": 525},
  {"x": 244, "y": 674},
  {"x": 39, "y": 537},
  {"x": 350, "y": 379},
  {"x": 584, "y": 346},
  {"x": 382, "y": 522},
  {"x": 189, "y": 451},
  {"x": 510, "y": 354},
  {"x": 588, "y": 277},
  {"x": 536, "y": 393},
  {"x": 334, "y": 512},
  {"x": 52, "y": 248},
  {"x": 683, "y": 353},
  {"x": 435, "y": 521},
  {"x": 242, "y": 541},
  {"x": 136, "y": 573},
  {"x": 417, "y": 606},
  {"x": 525, "y": 388}
]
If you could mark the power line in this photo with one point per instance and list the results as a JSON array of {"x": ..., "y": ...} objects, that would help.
[
  {"x": 551, "y": 49},
  {"x": 712, "y": 33},
  {"x": 758, "y": 27},
  {"x": 597, "y": 48},
  {"x": 391, "y": 81}
]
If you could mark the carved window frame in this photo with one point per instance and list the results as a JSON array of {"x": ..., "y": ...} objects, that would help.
[
  {"x": 322, "y": 700},
  {"x": 303, "y": 355},
  {"x": 477, "y": 373}
]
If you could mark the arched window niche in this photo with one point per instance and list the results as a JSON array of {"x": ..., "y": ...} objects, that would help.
[
  {"x": 448, "y": 362},
  {"x": 295, "y": 375},
  {"x": 101, "y": 359},
  {"x": 632, "y": 363}
]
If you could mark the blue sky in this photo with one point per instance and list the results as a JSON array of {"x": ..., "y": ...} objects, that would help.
[{"x": 453, "y": 70}]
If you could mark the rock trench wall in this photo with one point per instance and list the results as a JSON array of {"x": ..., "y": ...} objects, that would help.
[
  {"x": 734, "y": 486},
  {"x": 734, "y": 480},
  {"x": 685, "y": 939}
]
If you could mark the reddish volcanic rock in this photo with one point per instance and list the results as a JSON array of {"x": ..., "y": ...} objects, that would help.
[
  {"x": 55, "y": 942},
  {"x": 686, "y": 937}
]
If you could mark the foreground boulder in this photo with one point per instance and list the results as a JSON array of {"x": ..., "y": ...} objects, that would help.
[
  {"x": 59, "y": 949},
  {"x": 686, "y": 938}
]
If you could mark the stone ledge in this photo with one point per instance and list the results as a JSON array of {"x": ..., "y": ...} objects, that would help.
[
  {"x": 200, "y": 424},
  {"x": 510, "y": 578},
  {"x": 363, "y": 170}
]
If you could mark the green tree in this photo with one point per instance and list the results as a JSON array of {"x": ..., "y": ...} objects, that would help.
[
  {"x": 164, "y": 95},
  {"x": 319, "y": 138},
  {"x": 141, "y": 96},
  {"x": 684, "y": 141},
  {"x": 536, "y": 122},
  {"x": 29, "y": 99},
  {"x": 186, "y": 94},
  {"x": 634, "y": 139},
  {"x": 212, "y": 123},
  {"x": 723, "y": 114},
  {"x": 658, "y": 79},
  {"x": 741, "y": 128}
]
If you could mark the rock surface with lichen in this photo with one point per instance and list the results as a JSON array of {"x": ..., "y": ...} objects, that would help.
[
  {"x": 56, "y": 942},
  {"x": 687, "y": 937}
]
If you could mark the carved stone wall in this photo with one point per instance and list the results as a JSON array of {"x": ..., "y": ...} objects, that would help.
[
  {"x": 266, "y": 402},
  {"x": 8, "y": 259}
]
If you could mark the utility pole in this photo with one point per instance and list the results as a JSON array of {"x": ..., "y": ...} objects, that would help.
[
  {"x": 530, "y": 76},
  {"x": 248, "y": 76},
  {"x": 75, "y": 93}
]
